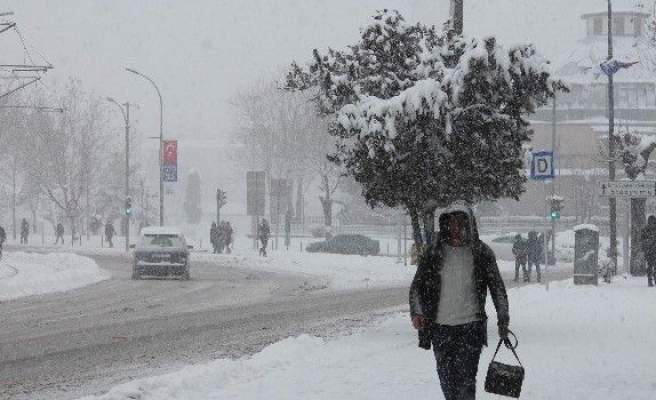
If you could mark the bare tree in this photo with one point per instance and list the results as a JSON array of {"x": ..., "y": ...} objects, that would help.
[
  {"x": 63, "y": 154},
  {"x": 280, "y": 132}
]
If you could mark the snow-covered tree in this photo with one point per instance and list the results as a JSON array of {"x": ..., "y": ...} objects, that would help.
[
  {"x": 193, "y": 197},
  {"x": 634, "y": 149},
  {"x": 423, "y": 118}
]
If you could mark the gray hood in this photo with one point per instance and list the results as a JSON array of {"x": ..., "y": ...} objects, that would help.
[{"x": 458, "y": 208}]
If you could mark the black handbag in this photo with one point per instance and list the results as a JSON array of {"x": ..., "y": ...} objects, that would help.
[{"x": 504, "y": 379}]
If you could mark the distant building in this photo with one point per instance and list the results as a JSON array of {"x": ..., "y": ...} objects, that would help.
[{"x": 582, "y": 114}]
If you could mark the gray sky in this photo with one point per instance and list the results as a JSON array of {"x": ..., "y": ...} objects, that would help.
[{"x": 201, "y": 53}]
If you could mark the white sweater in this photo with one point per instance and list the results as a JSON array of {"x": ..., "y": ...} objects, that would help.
[{"x": 458, "y": 302}]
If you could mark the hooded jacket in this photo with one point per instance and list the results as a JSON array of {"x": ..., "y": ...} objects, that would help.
[{"x": 425, "y": 288}]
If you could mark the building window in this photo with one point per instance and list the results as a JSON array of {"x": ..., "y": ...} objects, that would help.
[
  {"x": 598, "y": 26},
  {"x": 618, "y": 25}
]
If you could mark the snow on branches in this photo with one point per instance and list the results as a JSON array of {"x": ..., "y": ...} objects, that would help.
[{"x": 433, "y": 112}]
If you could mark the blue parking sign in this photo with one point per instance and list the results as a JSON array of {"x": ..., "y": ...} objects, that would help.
[{"x": 542, "y": 165}]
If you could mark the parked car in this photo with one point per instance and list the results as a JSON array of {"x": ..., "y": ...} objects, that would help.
[
  {"x": 161, "y": 251},
  {"x": 346, "y": 244}
]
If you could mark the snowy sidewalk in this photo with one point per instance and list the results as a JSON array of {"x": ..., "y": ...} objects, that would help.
[{"x": 576, "y": 343}]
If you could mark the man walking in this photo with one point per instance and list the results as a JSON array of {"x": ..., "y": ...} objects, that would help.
[
  {"x": 109, "y": 233},
  {"x": 520, "y": 252},
  {"x": 227, "y": 237},
  {"x": 25, "y": 230},
  {"x": 59, "y": 231},
  {"x": 263, "y": 233},
  {"x": 447, "y": 300},
  {"x": 648, "y": 244},
  {"x": 214, "y": 237},
  {"x": 534, "y": 255}
]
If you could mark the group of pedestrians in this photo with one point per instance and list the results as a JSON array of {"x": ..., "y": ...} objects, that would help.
[
  {"x": 221, "y": 237},
  {"x": 528, "y": 253}
]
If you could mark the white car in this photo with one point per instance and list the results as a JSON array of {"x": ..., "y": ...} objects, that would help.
[{"x": 161, "y": 251}]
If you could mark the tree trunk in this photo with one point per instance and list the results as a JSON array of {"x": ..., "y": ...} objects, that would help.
[
  {"x": 416, "y": 228},
  {"x": 429, "y": 224},
  {"x": 299, "y": 200},
  {"x": 327, "y": 206},
  {"x": 638, "y": 267},
  {"x": 457, "y": 15}
]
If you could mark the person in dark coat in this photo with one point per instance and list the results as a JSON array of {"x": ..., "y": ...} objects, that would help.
[
  {"x": 221, "y": 236},
  {"x": 534, "y": 247},
  {"x": 59, "y": 231},
  {"x": 109, "y": 233},
  {"x": 214, "y": 238},
  {"x": 447, "y": 300},
  {"x": 520, "y": 251},
  {"x": 3, "y": 237},
  {"x": 263, "y": 232},
  {"x": 25, "y": 231},
  {"x": 648, "y": 245},
  {"x": 227, "y": 237}
]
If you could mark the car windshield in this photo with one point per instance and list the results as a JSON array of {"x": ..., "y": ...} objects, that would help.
[{"x": 161, "y": 241}]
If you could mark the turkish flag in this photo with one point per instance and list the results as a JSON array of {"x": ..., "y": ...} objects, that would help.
[{"x": 170, "y": 149}]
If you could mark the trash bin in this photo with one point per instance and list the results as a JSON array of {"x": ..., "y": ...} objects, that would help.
[{"x": 586, "y": 254}]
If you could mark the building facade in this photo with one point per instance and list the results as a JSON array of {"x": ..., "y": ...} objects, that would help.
[{"x": 576, "y": 126}]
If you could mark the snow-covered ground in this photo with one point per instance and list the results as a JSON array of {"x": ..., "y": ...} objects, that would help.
[
  {"x": 576, "y": 342},
  {"x": 27, "y": 274}
]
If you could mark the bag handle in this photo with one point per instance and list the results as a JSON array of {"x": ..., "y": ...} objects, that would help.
[{"x": 509, "y": 345}]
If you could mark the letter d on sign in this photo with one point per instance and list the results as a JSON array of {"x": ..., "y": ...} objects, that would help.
[{"x": 542, "y": 165}]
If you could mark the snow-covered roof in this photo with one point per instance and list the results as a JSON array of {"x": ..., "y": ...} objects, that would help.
[
  {"x": 590, "y": 227},
  {"x": 161, "y": 230}
]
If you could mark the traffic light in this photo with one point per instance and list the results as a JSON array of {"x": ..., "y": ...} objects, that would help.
[
  {"x": 555, "y": 213},
  {"x": 556, "y": 204},
  {"x": 128, "y": 206},
  {"x": 220, "y": 197}
]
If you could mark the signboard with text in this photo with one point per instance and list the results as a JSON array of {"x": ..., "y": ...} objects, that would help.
[
  {"x": 255, "y": 189},
  {"x": 629, "y": 189}
]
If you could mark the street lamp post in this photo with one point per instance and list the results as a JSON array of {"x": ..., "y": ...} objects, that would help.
[
  {"x": 161, "y": 139},
  {"x": 612, "y": 201},
  {"x": 126, "y": 118}
]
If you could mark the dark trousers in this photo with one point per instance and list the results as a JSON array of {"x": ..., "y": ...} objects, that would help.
[
  {"x": 520, "y": 262},
  {"x": 536, "y": 262},
  {"x": 265, "y": 242},
  {"x": 651, "y": 263},
  {"x": 457, "y": 350}
]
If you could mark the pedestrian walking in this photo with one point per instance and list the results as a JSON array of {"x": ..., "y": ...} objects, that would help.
[
  {"x": 648, "y": 245},
  {"x": 59, "y": 231},
  {"x": 25, "y": 231},
  {"x": 3, "y": 237},
  {"x": 447, "y": 300},
  {"x": 109, "y": 233},
  {"x": 214, "y": 237},
  {"x": 520, "y": 251},
  {"x": 228, "y": 237},
  {"x": 263, "y": 232},
  {"x": 221, "y": 236},
  {"x": 534, "y": 247}
]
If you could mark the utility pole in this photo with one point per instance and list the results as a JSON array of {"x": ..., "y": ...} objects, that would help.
[
  {"x": 553, "y": 181},
  {"x": 612, "y": 201},
  {"x": 161, "y": 142},
  {"x": 128, "y": 204},
  {"x": 456, "y": 14}
]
